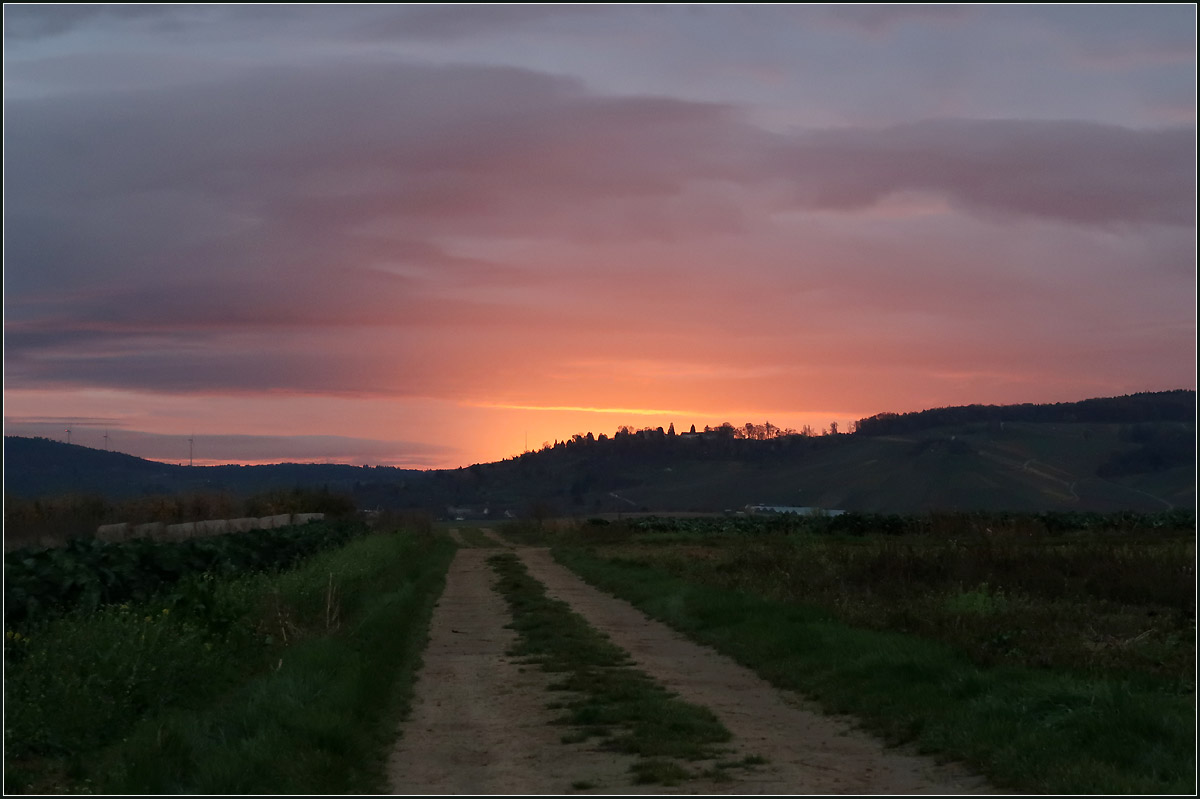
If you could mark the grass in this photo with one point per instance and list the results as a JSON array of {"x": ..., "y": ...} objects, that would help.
[
  {"x": 608, "y": 698},
  {"x": 474, "y": 538},
  {"x": 1111, "y": 602},
  {"x": 288, "y": 683},
  {"x": 1029, "y": 728}
]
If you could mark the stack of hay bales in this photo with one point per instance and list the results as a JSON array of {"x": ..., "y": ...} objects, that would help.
[
  {"x": 212, "y": 527},
  {"x": 271, "y": 522},
  {"x": 179, "y": 532},
  {"x": 157, "y": 531},
  {"x": 153, "y": 530},
  {"x": 114, "y": 533}
]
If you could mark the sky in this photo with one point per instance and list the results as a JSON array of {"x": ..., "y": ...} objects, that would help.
[{"x": 431, "y": 236}]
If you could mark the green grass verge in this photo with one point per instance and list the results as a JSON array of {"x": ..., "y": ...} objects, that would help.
[
  {"x": 474, "y": 538},
  {"x": 1029, "y": 729},
  {"x": 608, "y": 698},
  {"x": 288, "y": 683}
]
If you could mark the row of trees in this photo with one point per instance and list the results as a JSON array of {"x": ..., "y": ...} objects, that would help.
[
  {"x": 1178, "y": 405},
  {"x": 1151, "y": 406},
  {"x": 723, "y": 432}
]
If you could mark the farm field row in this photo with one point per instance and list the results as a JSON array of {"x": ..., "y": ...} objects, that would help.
[
  {"x": 1049, "y": 660},
  {"x": 266, "y": 682},
  {"x": 1052, "y": 663},
  {"x": 534, "y": 682}
]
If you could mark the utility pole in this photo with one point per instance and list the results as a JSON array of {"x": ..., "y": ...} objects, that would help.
[{"x": 189, "y": 451}]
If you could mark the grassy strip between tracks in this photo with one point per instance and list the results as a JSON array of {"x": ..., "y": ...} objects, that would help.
[
  {"x": 1028, "y": 729},
  {"x": 474, "y": 538},
  {"x": 288, "y": 683},
  {"x": 608, "y": 698}
]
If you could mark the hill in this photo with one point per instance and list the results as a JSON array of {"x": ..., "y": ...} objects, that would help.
[
  {"x": 1022, "y": 467},
  {"x": 1129, "y": 453},
  {"x": 38, "y": 467}
]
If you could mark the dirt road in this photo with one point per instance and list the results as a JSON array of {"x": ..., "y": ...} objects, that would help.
[{"x": 480, "y": 722}]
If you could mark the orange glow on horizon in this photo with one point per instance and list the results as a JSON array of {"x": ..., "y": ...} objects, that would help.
[
  {"x": 501, "y": 431},
  {"x": 586, "y": 409}
]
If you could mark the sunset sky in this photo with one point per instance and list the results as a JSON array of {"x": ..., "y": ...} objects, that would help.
[{"x": 431, "y": 236}]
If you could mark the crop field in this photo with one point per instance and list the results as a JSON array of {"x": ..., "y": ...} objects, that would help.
[
  {"x": 271, "y": 662},
  {"x": 1056, "y": 653},
  {"x": 1006, "y": 590},
  {"x": 1048, "y": 653}
]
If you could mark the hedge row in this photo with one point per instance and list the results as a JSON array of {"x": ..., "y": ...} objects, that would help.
[{"x": 86, "y": 573}]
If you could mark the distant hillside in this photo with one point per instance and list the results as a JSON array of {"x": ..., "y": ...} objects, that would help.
[
  {"x": 1156, "y": 406},
  {"x": 1126, "y": 453},
  {"x": 36, "y": 467},
  {"x": 1020, "y": 467}
]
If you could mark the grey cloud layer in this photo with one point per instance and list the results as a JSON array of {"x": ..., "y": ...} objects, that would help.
[
  {"x": 90, "y": 432},
  {"x": 143, "y": 227},
  {"x": 1076, "y": 172}
]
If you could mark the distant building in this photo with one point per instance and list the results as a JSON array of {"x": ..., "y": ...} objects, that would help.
[{"x": 799, "y": 511}]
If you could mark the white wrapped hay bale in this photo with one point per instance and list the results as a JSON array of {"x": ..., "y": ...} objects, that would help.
[
  {"x": 154, "y": 530},
  {"x": 271, "y": 522},
  {"x": 113, "y": 533},
  {"x": 180, "y": 532},
  {"x": 212, "y": 527}
]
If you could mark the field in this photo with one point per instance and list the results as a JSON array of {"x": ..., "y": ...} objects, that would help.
[
  {"x": 1047, "y": 653},
  {"x": 1056, "y": 661},
  {"x": 265, "y": 681},
  {"x": 1002, "y": 588}
]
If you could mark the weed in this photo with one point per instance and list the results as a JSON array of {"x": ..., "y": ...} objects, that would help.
[
  {"x": 660, "y": 772},
  {"x": 606, "y": 697},
  {"x": 138, "y": 700},
  {"x": 716, "y": 774},
  {"x": 967, "y": 679}
]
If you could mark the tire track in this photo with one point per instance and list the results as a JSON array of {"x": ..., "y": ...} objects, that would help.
[
  {"x": 807, "y": 752},
  {"x": 480, "y": 722}
]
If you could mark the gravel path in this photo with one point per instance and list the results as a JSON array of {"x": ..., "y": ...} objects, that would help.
[{"x": 480, "y": 722}]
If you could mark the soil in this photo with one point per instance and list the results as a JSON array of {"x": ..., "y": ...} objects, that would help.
[{"x": 480, "y": 722}]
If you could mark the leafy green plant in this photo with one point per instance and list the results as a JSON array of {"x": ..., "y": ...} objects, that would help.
[
  {"x": 86, "y": 574},
  {"x": 192, "y": 693}
]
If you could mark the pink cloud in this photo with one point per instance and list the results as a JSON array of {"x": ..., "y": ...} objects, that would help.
[
  {"x": 1075, "y": 172},
  {"x": 496, "y": 235}
]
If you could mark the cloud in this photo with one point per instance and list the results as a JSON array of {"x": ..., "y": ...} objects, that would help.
[
  {"x": 37, "y": 21},
  {"x": 461, "y": 22},
  {"x": 467, "y": 231},
  {"x": 1076, "y": 172},
  {"x": 222, "y": 448},
  {"x": 877, "y": 19},
  {"x": 62, "y": 422}
]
